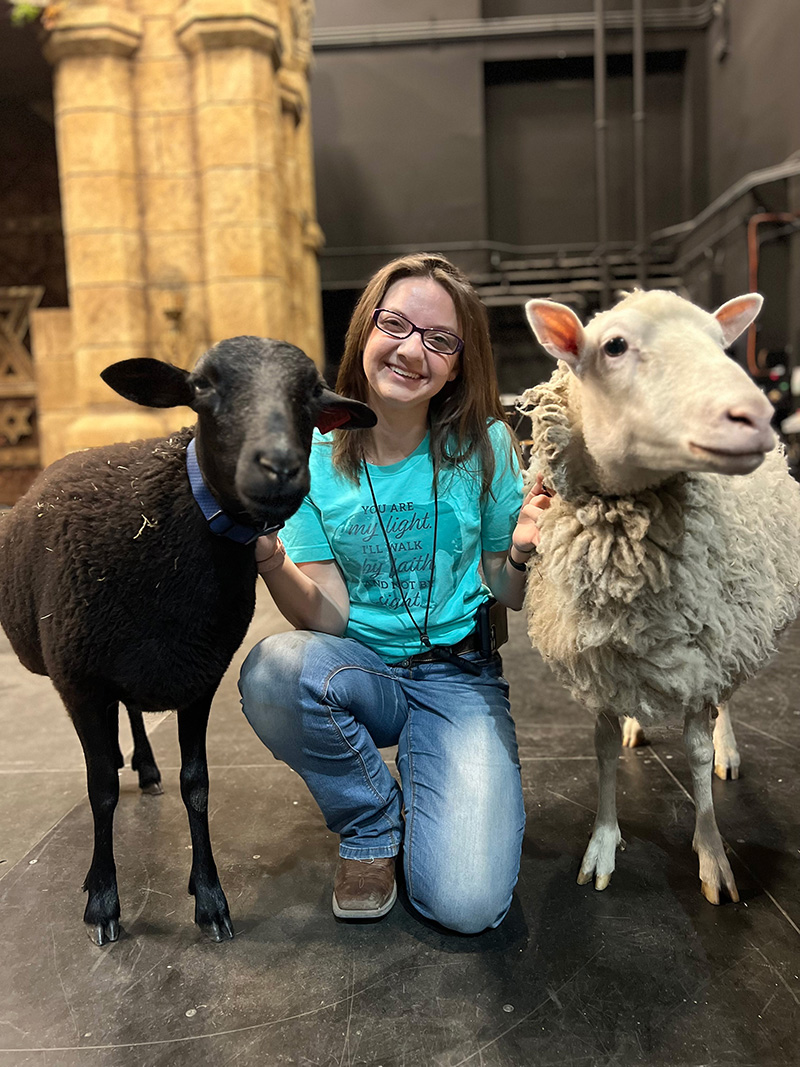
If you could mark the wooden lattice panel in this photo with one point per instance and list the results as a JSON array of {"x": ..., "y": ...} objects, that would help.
[{"x": 19, "y": 442}]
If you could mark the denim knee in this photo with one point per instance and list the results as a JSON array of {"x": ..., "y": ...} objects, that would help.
[{"x": 464, "y": 909}]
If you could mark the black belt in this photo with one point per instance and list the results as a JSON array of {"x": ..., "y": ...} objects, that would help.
[
  {"x": 448, "y": 653},
  {"x": 470, "y": 643}
]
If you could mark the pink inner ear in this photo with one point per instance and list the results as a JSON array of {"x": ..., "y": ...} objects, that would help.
[
  {"x": 557, "y": 328},
  {"x": 736, "y": 315},
  {"x": 329, "y": 418}
]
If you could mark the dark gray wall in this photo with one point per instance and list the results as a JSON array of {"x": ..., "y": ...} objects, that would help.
[
  {"x": 753, "y": 122},
  {"x": 754, "y": 93},
  {"x": 399, "y": 150},
  {"x": 540, "y": 148},
  {"x": 406, "y": 138},
  {"x": 415, "y": 147}
]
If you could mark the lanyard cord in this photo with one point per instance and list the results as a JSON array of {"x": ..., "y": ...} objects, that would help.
[{"x": 423, "y": 633}]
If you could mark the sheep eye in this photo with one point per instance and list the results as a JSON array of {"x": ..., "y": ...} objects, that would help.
[
  {"x": 616, "y": 346},
  {"x": 202, "y": 385}
]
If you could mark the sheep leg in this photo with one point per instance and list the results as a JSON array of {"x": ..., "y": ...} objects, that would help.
[
  {"x": 726, "y": 751},
  {"x": 715, "y": 871},
  {"x": 95, "y": 721},
  {"x": 598, "y": 861},
  {"x": 211, "y": 908},
  {"x": 632, "y": 733},
  {"x": 143, "y": 761},
  {"x": 113, "y": 726}
]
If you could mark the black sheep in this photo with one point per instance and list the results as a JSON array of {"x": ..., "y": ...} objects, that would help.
[{"x": 113, "y": 583}]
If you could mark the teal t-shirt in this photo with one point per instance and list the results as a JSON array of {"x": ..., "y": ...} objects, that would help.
[{"x": 337, "y": 520}]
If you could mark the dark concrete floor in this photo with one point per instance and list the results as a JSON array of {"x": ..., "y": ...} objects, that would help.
[{"x": 645, "y": 973}]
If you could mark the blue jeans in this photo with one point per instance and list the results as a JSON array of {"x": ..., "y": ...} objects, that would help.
[{"x": 325, "y": 705}]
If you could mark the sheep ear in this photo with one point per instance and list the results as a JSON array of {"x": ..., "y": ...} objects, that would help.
[
  {"x": 557, "y": 329},
  {"x": 736, "y": 315},
  {"x": 341, "y": 413},
  {"x": 150, "y": 382}
]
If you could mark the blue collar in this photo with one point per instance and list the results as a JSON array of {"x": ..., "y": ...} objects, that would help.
[{"x": 218, "y": 522}]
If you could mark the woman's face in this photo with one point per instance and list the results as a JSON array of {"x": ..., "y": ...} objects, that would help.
[{"x": 403, "y": 372}]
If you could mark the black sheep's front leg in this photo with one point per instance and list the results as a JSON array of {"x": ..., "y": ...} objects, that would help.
[
  {"x": 95, "y": 720},
  {"x": 211, "y": 908}
]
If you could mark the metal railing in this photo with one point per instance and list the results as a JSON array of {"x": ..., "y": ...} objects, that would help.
[{"x": 454, "y": 31}]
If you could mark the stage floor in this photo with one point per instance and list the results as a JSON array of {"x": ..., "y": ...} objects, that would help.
[{"x": 646, "y": 972}]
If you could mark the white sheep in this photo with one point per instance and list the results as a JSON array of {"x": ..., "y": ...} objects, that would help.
[{"x": 660, "y": 584}]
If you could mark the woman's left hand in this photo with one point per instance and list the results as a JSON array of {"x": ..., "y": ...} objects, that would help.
[{"x": 526, "y": 533}]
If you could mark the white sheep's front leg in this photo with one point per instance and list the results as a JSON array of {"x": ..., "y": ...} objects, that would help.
[
  {"x": 632, "y": 733},
  {"x": 715, "y": 871},
  {"x": 598, "y": 861},
  {"x": 726, "y": 751}
]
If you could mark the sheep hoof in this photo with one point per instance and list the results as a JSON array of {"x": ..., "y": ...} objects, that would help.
[
  {"x": 726, "y": 771},
  {"x": 598, "y": 861},
  {"x": 152, "y": 789},
  {"x": 101, "y": 933},
  {"x": 633, "y": 735},
  {"x": 710, "y": 892},
  {"x": 214, "y": 930}
]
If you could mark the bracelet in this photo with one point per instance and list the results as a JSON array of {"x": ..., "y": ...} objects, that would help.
[
  {"x": 273, "y": 561},
  {"x": 517, "y": 566}
]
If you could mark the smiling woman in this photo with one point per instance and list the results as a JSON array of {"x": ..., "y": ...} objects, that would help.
[
  {"x": 406, "y": 365},
  {"x": 380, "y": 575}
]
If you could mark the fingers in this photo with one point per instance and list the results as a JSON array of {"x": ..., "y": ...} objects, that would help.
[
  {"x": 538, "y": 493},
  {"x": 265, "y": 547},
  {"x": 537, "y": 500}
]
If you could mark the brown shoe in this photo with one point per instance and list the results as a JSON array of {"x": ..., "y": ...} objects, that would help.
[{"x": 364, "y": 889}]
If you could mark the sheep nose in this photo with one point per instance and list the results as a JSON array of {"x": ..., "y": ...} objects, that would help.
[
  {"x": 754, "y": 424},
  {"x": 279, "y": 468}
]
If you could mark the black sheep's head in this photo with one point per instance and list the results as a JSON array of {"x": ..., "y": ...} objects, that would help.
[{"x": 257, "y": 403}]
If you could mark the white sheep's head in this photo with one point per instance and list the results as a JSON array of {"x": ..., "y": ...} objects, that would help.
[{"x": 658, "y": 394}]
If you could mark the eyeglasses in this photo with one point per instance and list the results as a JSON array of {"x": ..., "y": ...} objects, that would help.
[{"x": 396, "y": 325}]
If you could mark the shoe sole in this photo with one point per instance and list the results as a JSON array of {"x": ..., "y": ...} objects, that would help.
[{"x": 374, "y": 913}]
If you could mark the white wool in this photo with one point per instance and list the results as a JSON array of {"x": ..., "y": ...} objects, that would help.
[{"x": 662, "y": 601}]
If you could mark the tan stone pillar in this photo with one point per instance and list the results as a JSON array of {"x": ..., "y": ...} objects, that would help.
[
  {"x": 169, "y": 189},
  {"x": 293, "y": 105},
  {"x": 312, "y": 236},
  {"x": 91, "y": 48},
  {"x": 235, "y": 47},
  {"x": 313, "y": 241}
]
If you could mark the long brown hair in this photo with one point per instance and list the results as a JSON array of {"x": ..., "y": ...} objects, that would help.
[{"x": 459, "y": 414}]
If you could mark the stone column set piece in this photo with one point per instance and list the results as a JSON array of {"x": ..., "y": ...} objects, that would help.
[{"x": 188, "y": 208}]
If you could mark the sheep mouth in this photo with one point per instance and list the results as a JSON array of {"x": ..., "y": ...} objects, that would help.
[
  {"x": 274, "y": 510},
  {"x": 725, "y": 457}
]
